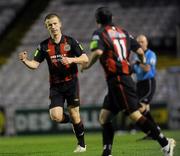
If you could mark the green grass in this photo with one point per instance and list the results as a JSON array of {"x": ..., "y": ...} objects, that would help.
[{"x": 64, "y": 144}]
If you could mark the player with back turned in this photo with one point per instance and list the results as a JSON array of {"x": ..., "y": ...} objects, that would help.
[
  {"x": 112, "y": 45},
  {"x": 62, "y": 54}
]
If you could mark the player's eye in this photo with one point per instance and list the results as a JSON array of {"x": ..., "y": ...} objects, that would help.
[{"x": 49, "y": 25}]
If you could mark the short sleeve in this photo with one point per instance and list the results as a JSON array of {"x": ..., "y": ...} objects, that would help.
[
  {"x": 96, "y": 42},
  {"x": 152, "y": 59},
  {"x": 39, "y": 54},
  {"x": 77, "y": 48}
]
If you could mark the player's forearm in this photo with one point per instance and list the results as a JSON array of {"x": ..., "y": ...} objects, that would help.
[
  {"x": 81, "y": 59},
  {"x": 31, "y": 64},
  {"x": 92, "y": 59},
  {"x": 145, "y": 67}
]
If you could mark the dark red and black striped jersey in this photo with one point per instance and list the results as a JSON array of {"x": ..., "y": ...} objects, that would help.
[
  {"x": 53, "y": 52},
  {"x": 116, "y": 45}
]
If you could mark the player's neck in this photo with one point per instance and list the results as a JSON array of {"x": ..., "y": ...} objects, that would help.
[{"x": 57, "y": 38}]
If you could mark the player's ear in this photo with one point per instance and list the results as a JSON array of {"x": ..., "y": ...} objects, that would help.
[
  {"x": 60, "y": 24},
  {"x": 45, "y": 24}
]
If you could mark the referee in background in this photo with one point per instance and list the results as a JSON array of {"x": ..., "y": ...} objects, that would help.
[{"x": 145, "y": 74}]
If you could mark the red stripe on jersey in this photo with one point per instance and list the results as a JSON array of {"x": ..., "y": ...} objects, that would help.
[
  {"x": 111, "y": 64},
  {"x": 106, "y": 39},
  {"x": 64, "y": 53},
  {"x": 62, "y": 48},
  {"x": 52, "y": 53},
  {"x": 125, "y": 67}
]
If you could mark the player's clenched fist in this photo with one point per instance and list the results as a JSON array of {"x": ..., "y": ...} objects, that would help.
[{"x": 23, "y": 56}]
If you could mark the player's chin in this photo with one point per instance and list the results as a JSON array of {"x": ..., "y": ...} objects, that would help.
[{"x": 54, "y": 32}]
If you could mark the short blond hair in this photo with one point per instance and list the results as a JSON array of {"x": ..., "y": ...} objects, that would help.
[{"x": 51, "y": 15}]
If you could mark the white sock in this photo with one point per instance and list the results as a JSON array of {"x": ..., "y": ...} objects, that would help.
[{"x": 166, "y": 147}]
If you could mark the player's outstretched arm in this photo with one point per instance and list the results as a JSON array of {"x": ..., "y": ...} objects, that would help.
[
  {"x": 78, "y": 60},
  {"x": 93, "y": 57},
  {"x": 32, "y": 64}
]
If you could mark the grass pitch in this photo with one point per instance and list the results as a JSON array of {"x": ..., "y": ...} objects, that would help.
[{"x": 64, "y": 144}]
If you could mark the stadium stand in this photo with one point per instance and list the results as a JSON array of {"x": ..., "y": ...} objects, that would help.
[
  {"x": 8, "y": 10},
  {"x": 22, "y": 88},
  {"x": 77, "y": 27}
]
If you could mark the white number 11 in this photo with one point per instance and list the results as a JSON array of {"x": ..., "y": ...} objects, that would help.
[{"x": 121, "y": 48}]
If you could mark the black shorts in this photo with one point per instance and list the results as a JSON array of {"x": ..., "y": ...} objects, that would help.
[
  {"x": 68, "y": 91},
  {"x": 121, "y": 95},
  {"x": 146, "y": 90}
]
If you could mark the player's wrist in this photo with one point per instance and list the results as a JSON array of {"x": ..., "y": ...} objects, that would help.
[
  {"x": 24, "y": 60},
  {"x": 138, "y": 63},
  {"x": 72, "y": 60},
  {"x": 76, "y": 60}
]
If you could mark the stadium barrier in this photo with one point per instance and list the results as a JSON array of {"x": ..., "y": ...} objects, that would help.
[
  {"x": 174, "y": 97},
  {"x": 37, "y": 121},
  {"x": 2, "y": 121}
]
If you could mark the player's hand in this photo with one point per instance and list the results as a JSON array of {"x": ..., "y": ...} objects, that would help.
[
  {"x": 23, "y": 56},
  {"x": 66, "y": 60}
]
